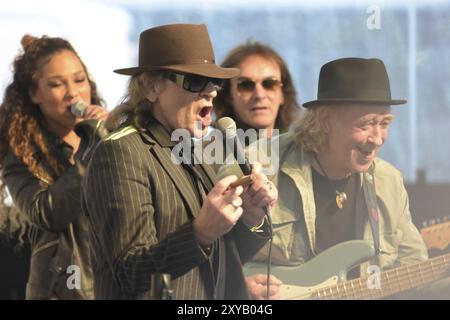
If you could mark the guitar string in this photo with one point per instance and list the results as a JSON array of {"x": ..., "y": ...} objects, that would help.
[
  {"x": 399, "y": 280},
  {"x": 427, "y": 275}
]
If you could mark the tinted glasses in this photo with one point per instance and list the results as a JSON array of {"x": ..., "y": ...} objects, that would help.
[
  {"x": 193, "y": 82},
  {"x": 248, "y": 85}
]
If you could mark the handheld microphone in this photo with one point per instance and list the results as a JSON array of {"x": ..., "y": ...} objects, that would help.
[
  {"x": 78, "y": 108},
  {"x": 227, "y": 126}
]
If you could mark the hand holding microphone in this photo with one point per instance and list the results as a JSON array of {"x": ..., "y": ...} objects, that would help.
[
  {"x": 78, "y": 108},
  {"x": 81, "y": 109},
  {"x": 259, "y": 196},
  {"x": 256, "y": 199},
  {"x": 90, "y": 128}
]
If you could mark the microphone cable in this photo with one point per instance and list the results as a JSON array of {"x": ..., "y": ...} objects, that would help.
[
  {"x": 227, "y": 126},
  {"x": 269, "y": 255}
]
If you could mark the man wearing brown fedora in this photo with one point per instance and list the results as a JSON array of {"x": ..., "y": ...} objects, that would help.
[
  {"x": 334, "y": 189},
  {"x": 149, "y": 215}
]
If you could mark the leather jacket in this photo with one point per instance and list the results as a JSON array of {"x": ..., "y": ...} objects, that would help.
[{"x": 58, "y": 232}]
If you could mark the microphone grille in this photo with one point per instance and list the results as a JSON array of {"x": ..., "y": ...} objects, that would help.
[
  {"x": 78, "y": 108},
  {"x": 226, "y": 124}
]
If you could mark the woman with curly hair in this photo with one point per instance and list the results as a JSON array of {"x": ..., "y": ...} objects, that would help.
[
  {"x": 43, "y": 152},
  {"x": 263, "y": 96}
]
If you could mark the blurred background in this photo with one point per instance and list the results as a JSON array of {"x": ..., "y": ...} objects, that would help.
[{"x": 412, "y": 37}]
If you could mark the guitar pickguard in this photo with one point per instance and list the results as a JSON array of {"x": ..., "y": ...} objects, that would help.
[{"x": 290, "y": 292}]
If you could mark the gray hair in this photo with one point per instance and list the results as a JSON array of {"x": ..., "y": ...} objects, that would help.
[{"x": 309, "y": 131}]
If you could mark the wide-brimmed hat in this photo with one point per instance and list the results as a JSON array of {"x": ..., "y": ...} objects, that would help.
[
  {"x": 354, "y": 80},
  {"x": 178, "y": 47}
]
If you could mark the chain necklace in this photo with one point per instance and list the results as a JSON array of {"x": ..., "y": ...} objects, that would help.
[{"x": 341, "y": 196}]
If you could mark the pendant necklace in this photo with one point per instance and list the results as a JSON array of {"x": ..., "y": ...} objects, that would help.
[{"x": 341, "y": 197}]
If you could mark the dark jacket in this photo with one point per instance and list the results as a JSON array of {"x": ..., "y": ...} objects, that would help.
[
  {"x": 58, "y": 231},
  {"x": 141, "y": 205}
]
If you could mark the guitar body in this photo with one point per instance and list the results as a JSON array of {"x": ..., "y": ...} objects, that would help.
[{"x": 324, "y": 270}]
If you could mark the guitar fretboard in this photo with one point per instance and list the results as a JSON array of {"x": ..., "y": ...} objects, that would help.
[{"x": 391, "y": 281}]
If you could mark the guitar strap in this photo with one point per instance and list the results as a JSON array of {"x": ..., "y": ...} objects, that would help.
[{"x": 372, "y": 207}]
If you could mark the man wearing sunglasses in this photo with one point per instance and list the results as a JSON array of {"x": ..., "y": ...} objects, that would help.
[
  {"x": 263, "y": 96},
  {"x": 149, "y": 215}
]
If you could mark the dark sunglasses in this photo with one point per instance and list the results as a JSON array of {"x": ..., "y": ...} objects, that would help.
[
  {"x": 248, "y": 85},
  {"x": 193, "y": 82}
]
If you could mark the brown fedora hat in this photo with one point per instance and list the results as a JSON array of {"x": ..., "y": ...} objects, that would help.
[
  {"x": 178, "y": 47},
  {"x": 354, "y": 80}
]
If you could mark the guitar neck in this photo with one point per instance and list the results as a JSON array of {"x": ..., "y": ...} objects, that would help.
[{"x": 391, "y": 281}]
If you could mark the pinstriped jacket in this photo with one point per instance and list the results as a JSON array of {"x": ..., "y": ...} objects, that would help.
[{"x": 140, "y": 206}]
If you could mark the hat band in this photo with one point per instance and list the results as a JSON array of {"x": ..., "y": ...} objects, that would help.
[{"x": 178, "y": 62}]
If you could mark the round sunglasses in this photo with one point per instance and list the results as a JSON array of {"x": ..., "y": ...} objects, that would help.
[
  {"x": 248, "y": 85},
  {"x": 193, "y": 82}
]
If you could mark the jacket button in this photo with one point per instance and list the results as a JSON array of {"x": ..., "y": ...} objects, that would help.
[{"x": 59, "y": 269}]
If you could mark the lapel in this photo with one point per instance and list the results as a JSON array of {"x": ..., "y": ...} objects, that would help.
[
  {"x": 210, "y": 173},
  {"x": 361, "y": 212},
  {"x": 161, "y": 150},
  {"x": 297, "y": 166},
  {"x": 364, "y": 229}
]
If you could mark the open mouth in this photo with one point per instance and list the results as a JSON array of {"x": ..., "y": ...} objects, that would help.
[
  {"x": 69, "y": 110},
  {"x": 205, "y": 111},
  {"x": 366, "y": 154},
  {"x": 204, "y": 116}
]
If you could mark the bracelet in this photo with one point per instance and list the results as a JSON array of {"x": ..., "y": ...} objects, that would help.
[{"x": 256, "y": 228}]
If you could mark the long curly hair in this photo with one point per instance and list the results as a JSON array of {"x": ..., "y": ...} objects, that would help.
[
  {"x": 309, "y": 132},
  {"x": 287, "y": 112},
  {"x": 21, "y": 121}
]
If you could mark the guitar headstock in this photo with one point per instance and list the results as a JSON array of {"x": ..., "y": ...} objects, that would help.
[{"x": 437, "y": 236}]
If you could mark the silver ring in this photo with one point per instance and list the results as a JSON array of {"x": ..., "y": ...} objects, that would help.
[
  {"x": 236, "y": 203},
  {"x": 269, "y": 184}
]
